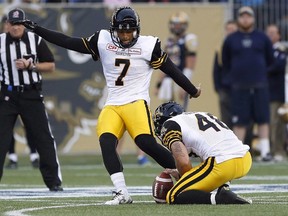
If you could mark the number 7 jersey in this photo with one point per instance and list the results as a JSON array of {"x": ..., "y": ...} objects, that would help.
[
  {"x": 127, "y": 71},
  {"x": 204, "y": 135}
]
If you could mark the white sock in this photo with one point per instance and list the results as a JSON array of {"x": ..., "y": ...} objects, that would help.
[
  {"x": 264, "y": 145},
  {"x": 33, "y": 156},
  {"x": 13, "y": 157},
  {"x": 119, "y": 182},
  {"x": 213, "y": 198}
]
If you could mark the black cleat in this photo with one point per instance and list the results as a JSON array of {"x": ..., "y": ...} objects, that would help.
[
  {"x": 225, "y": 196},
  {"x": 267, "y": 158},
  {"x": 12, "y": 165},
  {"x": 35, "y": 163},
  {"x": 56, "y": 188}
]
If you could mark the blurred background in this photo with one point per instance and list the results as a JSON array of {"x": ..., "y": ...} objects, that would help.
[{"x": 74, "y": 93}]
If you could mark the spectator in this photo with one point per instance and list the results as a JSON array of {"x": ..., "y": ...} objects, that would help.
[
  {"x": 221, "y": 84},
  {"x": 246, "y": 56},
  {"x": 181, "y": 48},
  {"x": 276, "y": 75}
]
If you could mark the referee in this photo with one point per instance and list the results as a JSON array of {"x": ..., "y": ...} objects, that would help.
[{"x": 23, "y": 56}]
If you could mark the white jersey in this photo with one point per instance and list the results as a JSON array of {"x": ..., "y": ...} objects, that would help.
[
  {"x": 127, "y": 71},
  {"x": 204, "y": 135}
]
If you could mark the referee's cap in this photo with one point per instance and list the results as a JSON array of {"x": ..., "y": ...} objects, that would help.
[
  {"x": 16, "y": 14},
  {"x": 245, "y": 10}
]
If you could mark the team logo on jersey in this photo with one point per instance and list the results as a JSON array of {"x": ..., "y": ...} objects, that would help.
[
  {"x": 247, "y": 42},
  {"x": 163, "y": 132}
]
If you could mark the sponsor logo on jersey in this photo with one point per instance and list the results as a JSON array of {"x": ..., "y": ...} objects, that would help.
[
  {"x": 112, "y": 47},
  {"x": 121, "y": 51}
]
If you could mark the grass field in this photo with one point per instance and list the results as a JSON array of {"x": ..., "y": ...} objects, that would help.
[{"x": 87, "y": 185}]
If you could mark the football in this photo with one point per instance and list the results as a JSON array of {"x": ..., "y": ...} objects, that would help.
[{"x": 161, "y": 185}]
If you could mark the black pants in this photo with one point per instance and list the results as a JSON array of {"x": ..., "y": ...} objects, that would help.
[
  {"x": 29, "y": 143},
  {"x": 29, "y": 105}
]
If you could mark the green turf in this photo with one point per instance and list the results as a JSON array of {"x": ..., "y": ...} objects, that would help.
[{"x": 88, "y": 171}]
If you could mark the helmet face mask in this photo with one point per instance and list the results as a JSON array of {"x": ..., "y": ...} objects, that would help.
[
  {"x": 178, "y": 23},
  {"x": 124, "y": 19},
  {"x": 165, "y": 112}
]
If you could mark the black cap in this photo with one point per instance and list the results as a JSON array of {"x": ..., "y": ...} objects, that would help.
[{"x": 16, "y": 14}]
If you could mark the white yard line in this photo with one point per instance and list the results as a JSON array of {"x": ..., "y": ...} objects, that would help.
[
  {"x": 104, "y": 191},
  {"x": 22, "y": 212}
]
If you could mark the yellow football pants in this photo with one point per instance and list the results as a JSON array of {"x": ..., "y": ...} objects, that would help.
[
  {"x": 134, "y": 117},
  {"x": 209, "y": 175}
]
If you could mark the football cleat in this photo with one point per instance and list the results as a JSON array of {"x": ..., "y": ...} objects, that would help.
[
  {"x": 226, "y": 196},
  {"x": 12, "y": 165},
  {"x": 56, "y": 188},
  {"x": 35, "y": 163},
  {"x": 143, "y": 161},
  {"x": 119, "y": 198}
]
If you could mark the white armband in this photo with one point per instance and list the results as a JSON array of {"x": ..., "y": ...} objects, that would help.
[{"x": 188, "y": 73}]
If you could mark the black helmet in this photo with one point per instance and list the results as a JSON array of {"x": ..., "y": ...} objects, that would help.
[
  {"x": 124, "y": 18},
  {"x": 165, "y": 112}
]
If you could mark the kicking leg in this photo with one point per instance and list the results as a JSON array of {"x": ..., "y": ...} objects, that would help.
[{"x": 161, "y": 155}]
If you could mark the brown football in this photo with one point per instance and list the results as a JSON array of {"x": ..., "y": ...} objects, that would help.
[{"x": 161, "y": 185}]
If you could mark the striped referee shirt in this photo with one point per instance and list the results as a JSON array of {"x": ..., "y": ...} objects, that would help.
[{"x": 12, "y": 49}]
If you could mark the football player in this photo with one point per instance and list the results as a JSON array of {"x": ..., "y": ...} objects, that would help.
[
  {"x": 128, "y": 60},
  {"x": 181, "y": 47},
  {"x": 224, "y": 157}
]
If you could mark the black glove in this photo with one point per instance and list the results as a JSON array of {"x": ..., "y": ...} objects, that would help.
[{"x": 27, "y": 23}]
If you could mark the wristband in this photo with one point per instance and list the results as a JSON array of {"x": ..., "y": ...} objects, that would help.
[{"x": 33, "y": 67}]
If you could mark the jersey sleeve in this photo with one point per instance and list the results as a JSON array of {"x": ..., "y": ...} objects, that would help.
[
  {"x": 158, "y": 56},
  {"x": 44, "y": 54},
  {"x": 72, "y": 43},
  {"x": 191, "y": 44},
  {"x": 170, "y": 133},
  {"x": 91, "y": 45}
]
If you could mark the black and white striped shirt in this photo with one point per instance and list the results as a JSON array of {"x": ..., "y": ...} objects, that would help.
[{"x": 12, "y": 49}]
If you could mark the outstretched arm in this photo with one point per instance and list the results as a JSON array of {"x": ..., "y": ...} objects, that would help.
[{"x": 72, "y": 43}]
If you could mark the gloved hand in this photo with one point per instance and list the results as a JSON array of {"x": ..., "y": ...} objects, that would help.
[
  {"x": 198, "y": 92},
  {"x": 27, "y": 23}
]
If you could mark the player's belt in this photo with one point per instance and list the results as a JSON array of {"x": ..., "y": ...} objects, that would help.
[{"x": 21, "y": 88}]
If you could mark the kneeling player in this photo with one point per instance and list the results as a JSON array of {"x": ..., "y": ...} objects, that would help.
[{"x": 224, "y": 157}]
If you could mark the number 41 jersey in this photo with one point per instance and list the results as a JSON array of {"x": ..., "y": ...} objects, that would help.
[
  {"x": 128, "y": 71},
  {"x": 204, "y": 135}
]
